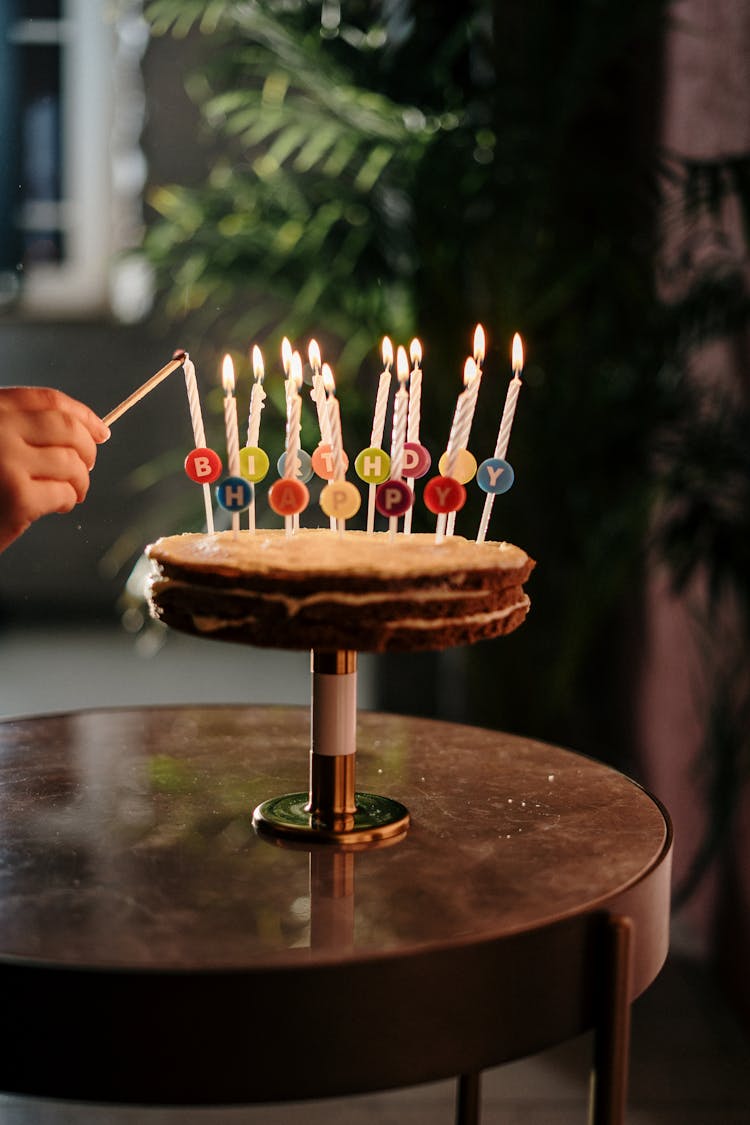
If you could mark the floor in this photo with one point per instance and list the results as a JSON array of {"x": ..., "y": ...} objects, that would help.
[{"x": 690, "y": 1060}]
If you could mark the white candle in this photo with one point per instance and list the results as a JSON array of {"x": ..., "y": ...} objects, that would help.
[
  {"x": 318, "y": 392},
  {"x": 196, "y": 417},
  {"x": 503, "y": 433},
  {"x": 463, "y": 415},
  {"x": 478, "y": 360},
  {"x": 398, "y": 432},
  {"x": 462, "y": 418},
  {"x": 231, "y": 427},
  {"x": 257, "y": 398},
  {"x": 334, "y": 422},
  {"x": 199, "y": 433},
  {"x": 415, "y": 391},
  {"x": 378, "y": 421},
  {"x": 381, "y": 399},
  {"x": 400, "y": 411},
  {"x": 293, "y": 418},
  {"x": 415, "y": 412},
  {"x": 230, "y": 417}
]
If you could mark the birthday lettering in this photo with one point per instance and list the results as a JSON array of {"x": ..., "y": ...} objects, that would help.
[
  {"x": 443, "y": 492},
  {"x": 372, "y": 466},
  {"x": 326, "y": 456},
  {"x": 390, "y": 498},
  {"x": 493, "y": 472},
  {"x": 234, "y": 494},
  {"x": 202, "y": 467}
]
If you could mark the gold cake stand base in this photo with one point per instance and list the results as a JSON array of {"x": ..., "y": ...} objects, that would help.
[{"x": 331, "y": 811}]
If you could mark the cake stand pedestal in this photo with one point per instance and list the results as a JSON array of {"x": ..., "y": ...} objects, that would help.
[{"x": 331, "y": 811}]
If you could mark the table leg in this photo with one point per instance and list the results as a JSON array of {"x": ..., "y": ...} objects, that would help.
[
  {"x": 468, "y": 1101},
  {"x": 609, "y": 1080}
]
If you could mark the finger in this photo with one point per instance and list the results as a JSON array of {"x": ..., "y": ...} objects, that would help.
[
  {"x": 48, "y": 428},
  {"x": 61, "y": 464},
  {"x": 53, "y": 496},
  {"x": 48, "y": 398}
]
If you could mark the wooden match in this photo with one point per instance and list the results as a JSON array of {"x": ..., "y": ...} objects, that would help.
[{"x": 176, "y": 361}]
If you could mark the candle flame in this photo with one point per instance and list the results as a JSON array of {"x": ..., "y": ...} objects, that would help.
[
  {"x": 313, "y": 354},
  {"x": 227, "y": 374},
  {"x": 415, "y": 351},
  {"x": 286, "y": 356},
  {"x": 471, "y": 371},
  {"x": 295, "y": 370},
  {"x": 517, "y": 354},
  {"x": 387, "y": 352},
  {"x": 259, "y": 369},
  {"x": 402, "y": 364},
  {"x": 479, "y": 344},
  {"x": 328, "y": 380}
]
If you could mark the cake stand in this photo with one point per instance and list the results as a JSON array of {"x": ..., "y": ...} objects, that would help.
[{"x": 331, "y": 810}]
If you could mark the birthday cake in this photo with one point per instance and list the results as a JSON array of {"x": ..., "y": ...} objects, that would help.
[{"x": 357, "y": 591}]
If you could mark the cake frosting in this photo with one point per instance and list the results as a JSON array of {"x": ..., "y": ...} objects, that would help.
[{"x": 369, "y": 592}]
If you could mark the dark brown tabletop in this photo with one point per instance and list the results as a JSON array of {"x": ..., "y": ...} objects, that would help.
[{"x": 154, "y": 949}]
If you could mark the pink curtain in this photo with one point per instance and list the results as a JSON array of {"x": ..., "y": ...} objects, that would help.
[{"x": 706, "y": 116}]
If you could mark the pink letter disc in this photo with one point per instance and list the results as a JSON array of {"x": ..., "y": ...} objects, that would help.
[
  {"x": 393, "y": 498},
  {"x": 417, "y": 459}
]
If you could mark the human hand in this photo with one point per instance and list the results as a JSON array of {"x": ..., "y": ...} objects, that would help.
[{"x": 47, "y": 450}]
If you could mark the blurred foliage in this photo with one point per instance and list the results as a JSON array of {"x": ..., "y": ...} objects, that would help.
[{"x": 400, "y": 167}]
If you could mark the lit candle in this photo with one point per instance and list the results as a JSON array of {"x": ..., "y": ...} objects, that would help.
[
  {"x": 231, "y": 427},
  {"x": 400, "y": 412},
  {"x": 398, "y": 432},
  {"x": 478, "y": 360},
  {"x": 415, "y": 391},
  {"x": 462, "y": 418},
  {"x": 293, "y": 417},
  {"x": 199, "y": 433},
  {"x": 378, "y": 421},
  {"x": 293, "y": 423},
  {"x": 381, "y": 399},
  {"x": 257, "y": 398},
  {"x": 318, "y": 392},
  {"x": 415, "y": 412},
  {"x": 334, "y": 422},
  {"x": 503, "y": 434}
]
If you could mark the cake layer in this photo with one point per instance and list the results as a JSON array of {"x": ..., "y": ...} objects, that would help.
[{"x": 317, "y": 589}]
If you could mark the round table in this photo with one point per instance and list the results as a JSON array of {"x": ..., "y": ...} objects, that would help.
[{"x": 154, "y": 949}]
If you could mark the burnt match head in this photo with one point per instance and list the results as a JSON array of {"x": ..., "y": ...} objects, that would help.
[{"x": 179, "y": 353}]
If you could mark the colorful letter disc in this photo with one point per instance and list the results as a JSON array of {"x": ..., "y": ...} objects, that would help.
[
  {"x": 203, "y": 465},
  {"x": 288, "y": 497},
  {"x": 304, "y": 466},
  {"x": 495, "y": 475},
  {"x": 417, "y": 459},
  {"x": 234, "y": 494},
  {"x": 372, "y": 465},
  {"x": 464, "y": 468},
  {"x": 340, "y": 499},
  {"x": 444, "y": 494},
  {"x": 323, "y": 462},
  {"x": 254, "y": 463},
  {"x": 393, "y": 498}
]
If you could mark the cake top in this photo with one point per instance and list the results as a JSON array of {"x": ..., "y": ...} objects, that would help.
[{"x": 320, "y": 551}]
